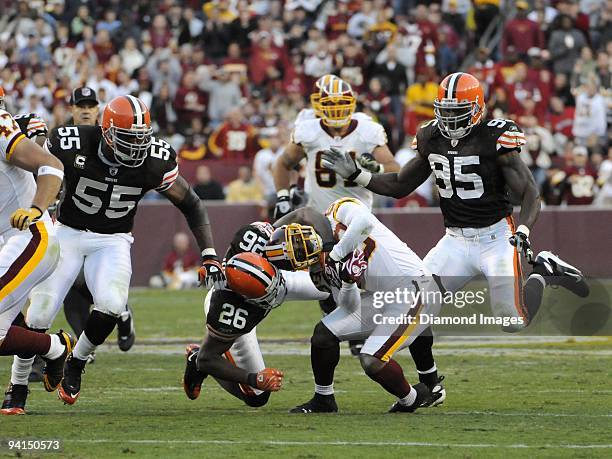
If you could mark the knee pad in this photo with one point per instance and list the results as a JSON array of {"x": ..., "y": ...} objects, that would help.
[
  {"x": 42, "y": 311},
  {"x": 256, "y": 401},
  {"x": 111, "y": 304},
  {"x": 322, "y": 337},
  {"x": 370, "y": 364}
]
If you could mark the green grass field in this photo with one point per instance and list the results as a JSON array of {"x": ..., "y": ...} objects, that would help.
[{"x": 515, "y": 398}]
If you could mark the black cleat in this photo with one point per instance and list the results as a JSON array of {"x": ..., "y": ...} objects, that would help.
[
  {"x": 37, "y": 375},
  {"x": 14, "y": 400},
  {"x": 317, "y": 404},
  {"x": 126, "y": 333},
  {"x": 423, "y": 394},
  {"x": 438, "y": 394},
  {"x": 562, "y": 273},
  {"x": 54, "y": 369},
  {"x": 192, "y": 379},
  {"x": 355, "y": 346},
  {"x": 70, "y": 388}
]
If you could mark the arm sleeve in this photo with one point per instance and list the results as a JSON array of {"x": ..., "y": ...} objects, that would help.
[
  {"x": 359, "y": 222},
  {"x": 170, "y": 170},
  {"x": 10, "y": 135},
  {"x": 510, "y": 139},
  {"x": 301, "y": 287}
]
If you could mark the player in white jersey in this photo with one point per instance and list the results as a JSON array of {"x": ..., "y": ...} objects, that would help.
[
  {"x": 29, "y": 250},
  {"x": 362, "y": 250},
  {"x": 334, "y": 125}
]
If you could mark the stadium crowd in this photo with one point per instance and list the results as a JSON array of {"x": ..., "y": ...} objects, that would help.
[{"x": 225, "y": 79}]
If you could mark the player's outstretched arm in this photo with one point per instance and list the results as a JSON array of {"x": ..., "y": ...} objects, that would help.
[
  {"x": 30, "y": 156},
  {"x": 211, "y": 361},
  {"x": 395, "y": 184},
  {"x": 521, "y": 182},
  {"x": 185, "y": 199},
  {"x": 281, "y": 172}
]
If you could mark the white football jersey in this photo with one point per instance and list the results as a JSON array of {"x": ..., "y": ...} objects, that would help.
[
  {"x": 17, "y": 186},
  {"x": 390, "y": 260},
  {"x": 322, "y": 185},
  {"x": 309, "y": 114}
]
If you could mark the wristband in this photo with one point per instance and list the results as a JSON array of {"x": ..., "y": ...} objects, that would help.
[
  {"x": 523, "y": 229},
  {"x": 363, "y": 178},
  {"x": 282, "y": 193},
  {"x": 209, "y": 252},
  {"x": 50, "y": 170},
  {"x": 252, "y": 380},
  {"x": 381, "y": 170}
]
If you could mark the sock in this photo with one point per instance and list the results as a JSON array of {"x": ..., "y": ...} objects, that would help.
[
  {"x": 324, "y": 362},
  {"x": 83, "y": 347},
  {"x": 18, "y": 340},
  {"x": 421, "y": 351},
  {"x": 410, "y": 398},
  {"x": 56, "y": 349},
  {"x": 429, "y": 377},
  {"x": 533, "y": 290},
  {"x": 324, "y": 390},
  {"x": 20, "y": 371},
  {"x": 391, "y": 378}
]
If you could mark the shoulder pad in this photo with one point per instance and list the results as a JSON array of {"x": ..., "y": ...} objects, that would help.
[
  {"x": 507, "y": 134},
  {"x": 424, "y": 133},
  {"x": 306, "y": 131},
  {"x": 371, "y": 133}
]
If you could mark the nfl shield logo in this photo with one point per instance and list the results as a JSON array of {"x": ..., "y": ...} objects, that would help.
[
  {"x": 113, "y": 171},
  {"x": 454, "y": 142}
]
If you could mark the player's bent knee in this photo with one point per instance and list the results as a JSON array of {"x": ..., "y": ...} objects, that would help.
[
  {"x": 113, "y": 306},
  {"x": 370, "y": 364},
  {"x": 42, "y": 311},
  {"x": 322, "y": 337},
  {"x": 256, "y": 401}
]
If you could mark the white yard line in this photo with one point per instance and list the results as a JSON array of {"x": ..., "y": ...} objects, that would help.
[{"x": 341, "y": 443}]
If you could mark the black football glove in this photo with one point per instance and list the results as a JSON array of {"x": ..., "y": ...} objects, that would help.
[
  {"x": 520, "y": 240},
  {"x": 211, "y": 273},
  {"x": 368, "y": 162},
  {"x": 296, "y": 196},
  {"x": 283, "y": 204}
]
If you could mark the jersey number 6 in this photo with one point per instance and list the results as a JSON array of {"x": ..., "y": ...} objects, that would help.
[{"x": 326, "y": 178}]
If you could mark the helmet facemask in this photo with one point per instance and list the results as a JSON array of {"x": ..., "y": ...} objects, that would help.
[
  {"x": 275, "y": 293},
  {"x": 298, "y": 248},
  {"x": 336, "y": 110},
  {"x": 456, "y": 119},
  {"x": 130, "y": 146}
]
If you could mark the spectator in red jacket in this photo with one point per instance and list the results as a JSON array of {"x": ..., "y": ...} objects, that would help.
[
  {"x": 190, "y": 101},
  {"x": 235, "y": 138},
  {"x": 522, "y": 33},
  {"x": 561, "y": 117},
  {"x": 180, "y": 266},
  {"x": 580, "y": 179}
]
